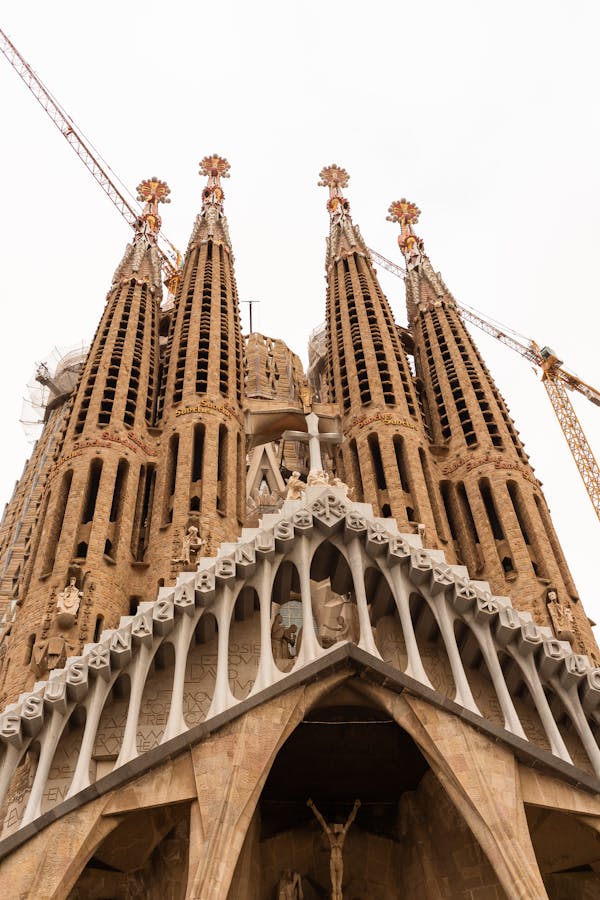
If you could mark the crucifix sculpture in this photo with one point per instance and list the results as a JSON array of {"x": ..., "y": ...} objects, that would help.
[
  {"x": 314, "y": 438},
  {"x": 336, "y": 834}
]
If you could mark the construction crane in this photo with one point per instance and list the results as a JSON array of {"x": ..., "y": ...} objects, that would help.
[
  {"x": 555, "y": 378},
  {"x": 170, "y": 255}
]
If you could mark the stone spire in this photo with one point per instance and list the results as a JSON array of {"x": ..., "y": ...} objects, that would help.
[
  {"x": 494, "y": 514},
  {"x": 200, "y": 478},
  {"x": 141, "y": 259},
  {"x": 369, "y": 376},
  {"x": 344, "y": 236},
  {"x": 211, "y": 222},
  {"x": 86, "y": 562},
  {"x": 423, "y": 284}
]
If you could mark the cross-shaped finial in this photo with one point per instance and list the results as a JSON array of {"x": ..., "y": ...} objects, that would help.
[
  {"x": 151, "y": 192},
  {"x": 404, "y": 212},
  {"x": 333, "y": 177},
  {"x": 214, "y": 167},
  {"x": 407, "y": 214}
]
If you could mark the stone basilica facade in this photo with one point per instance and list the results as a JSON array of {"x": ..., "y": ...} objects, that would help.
[{"x": 276, "y": 635}]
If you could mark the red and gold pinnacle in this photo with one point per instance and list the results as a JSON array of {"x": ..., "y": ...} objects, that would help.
[
  {"x": 214, "y": 167},
  {"x": 407, "y": 214},
  {"x": 151, "y": 192}
]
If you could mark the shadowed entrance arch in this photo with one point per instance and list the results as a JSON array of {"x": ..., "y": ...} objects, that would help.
[{"x": 407, "y": 834}]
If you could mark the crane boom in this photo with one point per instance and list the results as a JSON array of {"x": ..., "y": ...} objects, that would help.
[
  {"x": 555, "y": 379},
  {"x": 68, "y": 129}
]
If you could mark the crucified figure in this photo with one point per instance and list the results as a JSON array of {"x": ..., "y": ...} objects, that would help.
[{"x": 336, "y": 835}]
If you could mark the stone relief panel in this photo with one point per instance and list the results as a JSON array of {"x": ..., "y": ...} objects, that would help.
[
  {"x": 244, "y": 654},
  {"x": 19, "y": 792},
  {"x": 64, "y": 762},
  {"x": 156, "y": 699},
  {"x": 200, "y": 671},
  {"x": 109, "y": 735}
]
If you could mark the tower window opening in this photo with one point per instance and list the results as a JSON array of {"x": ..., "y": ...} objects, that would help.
[
  {"x": 222, "y": 469},
  {"x": 171, "y": 479},
  {"x": 56, "y": 521},
  {"x": 490, "y": 508},
  {"x": 467, "y": 512},
  {"x": 399, "y": 450},
  {"x": 355, "y": 468},
  {"x": 98, "y": 628},
  {"x": 89, "y": 507},
  {"x": 377, "y": 462},
  {"x": 119, "y": 490},
  {"x": 433, "y": 501},
  {"x": 198, "y": 452}
]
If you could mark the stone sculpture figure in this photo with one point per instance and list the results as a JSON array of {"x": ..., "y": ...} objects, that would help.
[
  {"x": 562, "y": 617},
  {"x": 336, "y": 835},
  {"x": 191, "y": 544},
  {"x": 290, "y": 886},
  {"x": 282, "y": 639},
  {"x": 67, "y": 603},
  {"x": 295, "y": 487},
  {"x": 317, "y": 476}
]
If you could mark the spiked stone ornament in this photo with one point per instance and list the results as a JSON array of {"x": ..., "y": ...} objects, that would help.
[
  {"x": 407, "y": 214},
  {"x": 335, "y": 178},
  {"x": 214, "y": 167},
  {"x": 151, "y": 192}
]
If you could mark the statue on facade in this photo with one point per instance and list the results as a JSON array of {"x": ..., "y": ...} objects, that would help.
[
  {"x": 295, "y": 487},
  {"x": 283, "y": 639},
  {"x": 290, "y": 886},
  {"x": 316, "y": 477},
  {"x": 336, "y": 482},
  {"x": 336, "y": 835},
  {"x": 341, "y": 631},
  {"x": 561, "y": 616},
  {"x": 50, "y": 654},
  {"x": 67, "y": 603},
  {"x": 191, "y": 545}
]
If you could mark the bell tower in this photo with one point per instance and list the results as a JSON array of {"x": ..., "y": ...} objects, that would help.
[
  {"x": 384, "y": 453},
  {"x": 83, "y": 571},
  {"x": 201, "y": 476},
  {"x": 497, "y": 519}
]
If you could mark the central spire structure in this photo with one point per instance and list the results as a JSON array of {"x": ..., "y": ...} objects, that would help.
[
  {"x": 200, "y": 404},
  {"x": 369, "y": 376},
  {"x": 497, "y": 518}
]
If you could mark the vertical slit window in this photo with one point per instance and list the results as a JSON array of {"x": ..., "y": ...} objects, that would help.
[
  {"x": 433, "y": 501},
  {"x": 89, "y": 507},
  {"x": 355, "y": 465},
  {"x": 222, "y": 469},
  {"x": 399, "y": 450},
  {"x": 143, "y": 512},
  {"x": 170, "y": 480},
  {"x": 490, "y": 508},
  {"x": 56, "y": 521},
  {"x": 377, "y": 462}
]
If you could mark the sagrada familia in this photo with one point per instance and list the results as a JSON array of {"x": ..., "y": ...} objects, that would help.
[{"x": 268, "y": 634}]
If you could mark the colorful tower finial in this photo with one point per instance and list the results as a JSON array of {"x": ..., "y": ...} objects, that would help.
[
  {"x": 151, "y": 192},
  {"x": 407, "y": 214},
  {"x": 214, "y": 167},
  {"x": 335, "y": 178}
]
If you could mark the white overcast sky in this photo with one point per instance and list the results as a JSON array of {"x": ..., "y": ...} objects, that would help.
[{"x": 485, "y": 115}]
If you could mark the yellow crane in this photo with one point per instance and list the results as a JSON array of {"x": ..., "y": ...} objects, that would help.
[{"x": 555, "y": 378}]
